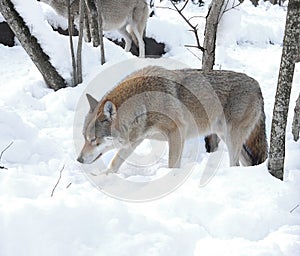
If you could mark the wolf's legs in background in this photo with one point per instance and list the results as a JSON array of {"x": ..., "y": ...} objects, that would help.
[
  {"x": 121, "y": 156},
  {"x": 127, "y": 38},
  {"x": 140, "y": 40}
]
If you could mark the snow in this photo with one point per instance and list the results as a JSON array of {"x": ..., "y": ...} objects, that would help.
[{"x": 223, "y": 211}]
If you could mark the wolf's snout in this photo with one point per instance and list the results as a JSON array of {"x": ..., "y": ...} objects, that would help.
[{"x": 80, "y": 159}]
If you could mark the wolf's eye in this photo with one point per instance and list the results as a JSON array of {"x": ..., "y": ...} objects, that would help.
[{"x": 93, "y": 140}]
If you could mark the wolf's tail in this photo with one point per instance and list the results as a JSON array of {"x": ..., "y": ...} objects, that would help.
[{"x": 255, "y": 150}]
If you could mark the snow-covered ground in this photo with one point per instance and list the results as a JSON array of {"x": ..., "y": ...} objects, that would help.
[{"x": 240, "y": 211}]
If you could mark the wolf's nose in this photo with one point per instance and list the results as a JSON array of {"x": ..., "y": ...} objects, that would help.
[{"x": 80, "y": 159}]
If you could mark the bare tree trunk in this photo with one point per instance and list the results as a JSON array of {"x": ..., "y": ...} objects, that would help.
[
  {"x": 296, "y": 120},
  {"x": 208, "y": 57},
  {"x": 93, "y": 19},
  {"x": 80, "y": 36},
  {"x": 210, "y": 33},
  {"x": 282, "y": 99},
  {"x": 31, "y": 45},
  {"x": 100, "y": 27},
  {"x": 298, "y": 58},
  {"x": 71, "y": 32},
  {"x": 87, "y": 31}
]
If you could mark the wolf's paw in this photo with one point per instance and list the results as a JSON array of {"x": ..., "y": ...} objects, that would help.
[{"x": 110, "y": 171}]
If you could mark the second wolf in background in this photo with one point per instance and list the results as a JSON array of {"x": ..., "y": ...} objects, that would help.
[{"x": 116, "y": 14}]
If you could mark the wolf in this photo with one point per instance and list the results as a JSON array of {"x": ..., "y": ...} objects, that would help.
[
  {"x": 174, "y": 105},
  {"x": 116, "y": 15}
]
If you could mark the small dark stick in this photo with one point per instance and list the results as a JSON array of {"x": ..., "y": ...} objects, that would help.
[
  {"x": 294, "y": 208},
  {"x": 7, "y": 147},
  {"x": 60, "y": 173}
]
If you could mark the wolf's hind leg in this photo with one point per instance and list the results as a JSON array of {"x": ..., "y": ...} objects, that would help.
[
  {"x": 176, "y": 143},
  {"x": 121, "y": 156}
]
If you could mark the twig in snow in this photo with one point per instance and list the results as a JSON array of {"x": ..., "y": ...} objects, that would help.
[
  {"x": 294, "y": 208},
  {"x": 7, "y": 147},
  {"x": 60, "y": 173},
  {"x": 69, "y": 185}
]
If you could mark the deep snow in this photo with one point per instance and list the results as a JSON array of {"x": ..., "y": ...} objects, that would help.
[{"x": 240, "y": 211}]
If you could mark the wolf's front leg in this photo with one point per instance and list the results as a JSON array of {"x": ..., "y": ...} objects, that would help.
[{"x": 120, "y": 157}]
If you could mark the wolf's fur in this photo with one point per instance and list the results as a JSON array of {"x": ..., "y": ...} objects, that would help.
[
  {"x": 174, "y": 105},
  {"x": 117, "y": 15}
]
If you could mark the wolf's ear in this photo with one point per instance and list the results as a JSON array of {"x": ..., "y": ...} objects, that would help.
[
  {"x": 109, "y": 110},
  {"x": 92, "y": 102}
]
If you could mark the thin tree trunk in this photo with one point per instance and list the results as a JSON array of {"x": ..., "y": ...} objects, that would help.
[
  {"x": 282, "y": 99},
  {"x": 30, "y": 43},
  {"x": 87, "y": 31},
  {"x": 100, "y": 28},
  {"x": 79, "y": 46},
  {"x": 93, "y": 18},
  {"x": 210, "y": 34},
  {"x": 71, "y": 32},
  {"x": 208, "y": 57},
  {"x": 296, "y": 120}
]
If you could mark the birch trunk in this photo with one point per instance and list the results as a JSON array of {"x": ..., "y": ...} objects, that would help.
[
  {"x": 31, "y": 45},
  {"x": 282, "y": 99}
]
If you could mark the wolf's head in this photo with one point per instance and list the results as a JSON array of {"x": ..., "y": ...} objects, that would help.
[{"x": 98, "y": 130}]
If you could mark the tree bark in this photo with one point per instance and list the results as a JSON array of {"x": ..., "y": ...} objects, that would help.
[
  {"x": 296, "y": 120},
  {"x": 93, "y": 19},
  {"x": 100, "y": 27},
  {"x": 71, "y": 33},
  {"x": 282, "y": 99},
  {"x": 210, "y": 34},
  {"x": 208, "y": 57},
  {"x": 31, "y": 45},
  {"x": 80, "y": 36}
]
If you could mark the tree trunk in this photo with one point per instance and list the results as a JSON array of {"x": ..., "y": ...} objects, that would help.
[
  {"x": 210, "y": 34},
  {"x": 208, "y": 57},
  {"x": 296, "y": 120},
  {"x": 31, "y": 45},
  {"x": 93, "y": 20},
  {"x": 71, "y": 33},
  {"x": 100, "y": 27},
  {"x": 80, "y": 36},
  {"x": 282, "y": 99}
]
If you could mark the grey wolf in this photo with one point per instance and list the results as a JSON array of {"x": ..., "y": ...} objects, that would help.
[
  {"x": 174, "y": 105},
  {"x": 116, "y": 14}
]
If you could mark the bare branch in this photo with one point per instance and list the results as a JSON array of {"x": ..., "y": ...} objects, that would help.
[
  {"x": 59, "y": 178},
  {"x": 192, "y": 52},
  {"x": 165, "y": 7},
  {"x": 185, "y": 4},
  {"x": 231, "y": 8},
  {"x": 194, "y": 28},
  {"x": 197, "y": 16}
]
